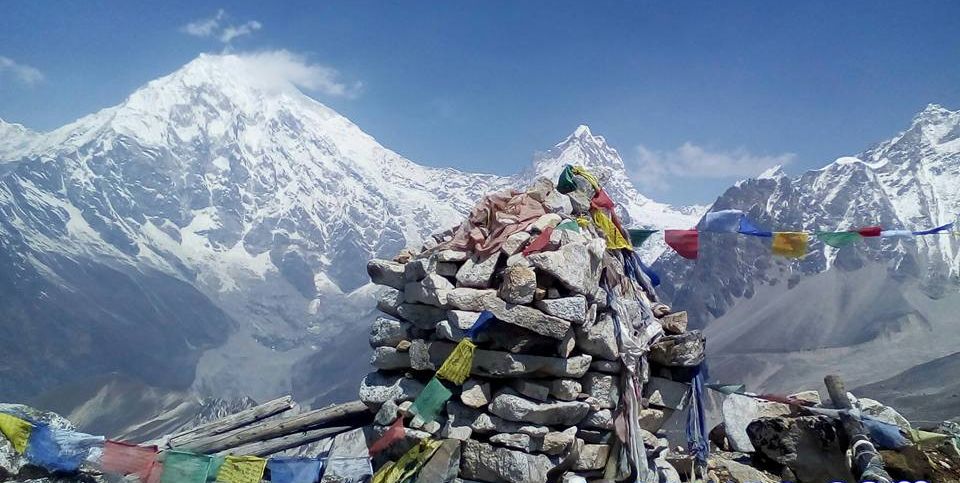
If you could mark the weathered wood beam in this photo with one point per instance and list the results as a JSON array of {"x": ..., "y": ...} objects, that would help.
[
  {"x": 354, "y": 410},
  {"x": 233, "y": 421},
  {"x": 276, "y": 445},
  {"x": 866, "y": 462}
]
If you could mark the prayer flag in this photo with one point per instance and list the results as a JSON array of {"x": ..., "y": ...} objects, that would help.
[
  {"x": 581, "y": 171},
  {"x": 839, "y": 239},
  {"x": 294, "y": 470},
  {"x": 615, "y": 238},
  {"x": 16, "y": 430},
  {"x": 790, "y": 244},
  {"x": 934, "y": 230},
  {"x": 601, "y": 200},
  {"x": 58, "y": 449},
  {"x": 569, "y": 225},
  {"x": 481, "y": 323},
  {"x": 896, "y": 233},
  {"x": 127, "y": 459},
  {"x": 566, "y": 183},
  {"x": 456, "y": 368},
  {"x": 430, "y": 400},
  {"x": 748, "y": 228},
  {"x": 870, "y": 231},
  {"x": 724, "y": 221},
  {"x": 886, "y": 435},
  {"x": 637, "y": 236},
  {"x": 241, "y": 469},
  {"x": 727, "y": 388},
  {"x": 540, "y": 242},
  {"x": 685, "y": 242},
  {"x": 185, "y": 467},
  {"x": 409, "y": 464},
  {"x": 395, "y": 433}
]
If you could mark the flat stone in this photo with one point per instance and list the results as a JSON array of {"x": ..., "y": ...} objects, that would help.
[
  {"x": 387, "y": 414},
  {"x": 812, "y": 397},
  {"x": 519, "y": 315},
  {"x": 417, "y": 292},
  {"x": 447, "y": 269},
  {"x": 540, "y": 188},
  {"x": 516, "y": 408},
  {"x": 416, "y": 270},
  {"x": 386, "y": 272},
  {"x": 548, "y": 220},
  {"x": 565, "y": 389},
  {"x": 599, "y": 339},
  {"x": 607, "y": 367},
  {"x": 573, "y": 308},
  {"x": 518, "y": 285},
  {"x": 518, "y": 441},
  {"x": 592, "y": 457},
  {"x": 376, "y": 389},
  {"x": 475, "y": 394},
  {"x": 685, "y": 350},
  {"x": 437, "y": 282},
  {"x": 558, "y": 442},
  {"x": 739, "y": 411},
  {"x": 444, "y": 465},
  {"x": 665, "y": 393},
  {"x": 420, "y": 357},
  {"x": 557, "y": 202},
  {"x": 602, "y": 419},
  {"x": 390, "y": 300},
  {"x": 573, "y": 265},
  {"x": 477, "y": 273},
  {"x": 514, "y": 243},
  {"x": 597, "y": 436},
  {"x": 652, "y": 419},
  {"x": 810, "y": 446},
  {"x": 579, "y": 201},
  {"x": 452, "y": 256},
  {"x": 488, "y": 363},
  {"x": 605, "y": 388},
  {"x": 517, "y": 259},
  {"x": 389, "y": 358},
  {"x": 674, "y": 323},
  {"x": 421, "y": 315},
  {"x": 484, "y": 462},
  {"x": 566, "y": 345},
  {"x": 388, "y": 332},
  {"x": 530, "y": 389}
]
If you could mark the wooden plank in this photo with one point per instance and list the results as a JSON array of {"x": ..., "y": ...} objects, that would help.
[
  {"x": 280, "y": 427},
  {"x": 233, "y": 421},
  {"x": 276, "y": 445},
  {"x": 866, "y": 462}
]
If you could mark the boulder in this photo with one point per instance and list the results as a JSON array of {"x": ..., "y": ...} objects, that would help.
[
  {"x": 519, "y": 283},
  {"x": 388, "y": 332},
  {"x": 376, "y": 389},
  {"x": 573, "y": 265},
  {"x": 809, "y": 446},
  {"x": 477, "y": 273},
  {"x": 557, "y": 202},
  {"x": 422, "y": 316},
  {"x": 665, "y": 393},
  {"x": 674, "y": 323},
  {"x": 416, "y": 270},
  {"x": 389, "y": 301},
  {"x": 565, "y": 389},
  {"x": 516, "y": 408},
  {"x": 685, "y": 350},
  {"x": 475, "y": 394},
  {"x": 484, "y": 462},
  {"x": 573, "y": 308},
  {"x": 592, "y": 457},
  {"x": 519, "y": 315},
  {"x": 514, "y": 243},
  {"x": 522, "y": 442},
  {"x": 386, "y": 272},
  {"x": 739, "y": 411},
  {"x": 599, "y": 339}
]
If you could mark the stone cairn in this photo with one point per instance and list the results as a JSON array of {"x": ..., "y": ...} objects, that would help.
[{"x": 548, "y": 373}]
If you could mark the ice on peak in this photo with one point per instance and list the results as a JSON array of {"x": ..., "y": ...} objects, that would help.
[
  {"x": 582, "y": 130},
  {"x": 847, "y": 160},
  {"x": 775, "y": 172}
]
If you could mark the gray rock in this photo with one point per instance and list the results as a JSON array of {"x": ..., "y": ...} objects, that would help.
[
  {"x": 652, "y": 419},
  {"x": 519, "y": 315},
  {"x": 518, "y": 285},
  {"x": 605, "y": 388},
  {"x": 607, "y": 367},
  {"x": 387, "y": 414},
  {"x": 558, "y": 442},
  {"x": 579, "y": 202},
  {"x": 418, "y": 292},
  {"x": 477, "y": 273},
  {"x": 666, "y": 471},
  {"x": 423, "y": 316},
  {"x": 348, "y": 458},
  {"x": 444, "y": 465},
  {"x": 389, "y": 358},
  {"x": 743, "y": 473},
  {"x": 475, "y": 394},
  {"x": 499, "y": 364},
  {"x": 565, "y": 389},
  {"x": 812, "y": 397},
  {"x": 887, "y": 414},
  {"x": 517, "y": 259},
  {"x": 557, "y": 202},
  {"x": 739, "y": 411},
  {"x": 376, "y": 389},
  {"x": 487, "y": 463},
  {"x": 516, "y": 408},
  {"x": 518, "y": 441},
  {"x": 592, "y": 457},
  {"x": 599, "y": 339},
  {"x": 386, "y": 272},
  {"x": 573, "y": 265},
  {"x": 602, "y": 419},
  {"x": 389, "y": 301},
  {"x": 514, "y": 243},
  {"x": 665, "y": 393},
  {"x": 548, "y": 220},
  {"x": 447, "y": 269},
  {"x": 420, "y": 357},
  {"x": 810, "y": 446},
  {"x": 452, "y": 256},
  {"x": 573, "y": 308},
  {"x": 540, "y": 189},
  {"x": 597, "y": 436},
  {"x": 566, "y": 345},
  {"x": 436, "y": 281},
  {"x": 685, "y": 350},
  {"x": 416, "y": 270},
  {"x": 674, "y": 323},
  {"x": 387, "y": 332},
  {"x": 530, "y": 389}
]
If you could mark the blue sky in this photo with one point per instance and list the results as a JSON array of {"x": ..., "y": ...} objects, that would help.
[{"x": 694, "y": 94}]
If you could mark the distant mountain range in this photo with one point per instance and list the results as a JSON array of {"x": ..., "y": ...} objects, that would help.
[{"x": 205, "y": 241}]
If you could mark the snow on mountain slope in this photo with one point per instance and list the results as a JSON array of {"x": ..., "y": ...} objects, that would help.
[
  {"x": 870, "y": 310},
  {"x": 13, "y": 139},
  {"x": 232, "y": 216}
]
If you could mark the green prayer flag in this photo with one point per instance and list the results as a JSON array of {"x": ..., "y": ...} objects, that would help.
[
  {"x": 431, "y": 400},
  {"x": 566, "y": 183},
  {"x": 569, "y": 225},
  {"x": 839, "y": 239},
  {"x": 637, "y": 236},
  {"x": 185, "y": 467}
]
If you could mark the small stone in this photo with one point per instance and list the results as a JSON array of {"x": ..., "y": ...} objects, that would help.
[
  {"x": 573, "y": 265},
  {"x": 652, "y": 419},
  {"x": 389, "y": 358},
  {"x": 556, "y": 202},
  {"x": 674, "y": 323},
  {"x": 403, "y": 345},
  {"x": 475, "y": 394},
  {"x": 592, "y": 457},
  {"x": 452, "y": 256},
  {"x": 516, "y": 408},
  {"x": 389, "y": 301},
  {"x": 579, "y": 202},
  {"x": 518, "y": 441},
  {"x": 484, "y": 462},
  {"x": 565, "y": 389},
  {"x": 812, "y": 397},
  {"x": 387, "y": 332},
  {"x": 548, "y": 220},
  {"x": 602, "y": 419},
  {"x": 514, "y": 243},
  {"x": 573, "y": 308},
  {"x": 666, "y": 393},
  {"x": 566, "y": 345},
  {"x": 558, "y": 442},
  {"x": 447, "y": 269},
  {"x": 660, "y": 310},
  {"x": 607, "y": 367},
  {"x": 386, "y": 272},
  {"x": 519, "y": 284},
  {"x": 604, "y": 387},
  {"x": 685, "y": 350},
  {"x": 517, "y": 259},
  {"x": 405, "y": 255},
  {"x": 387, "y": 413},
  {"x": 600, "y": 339},
  {"x": 420, "y": 359},
  {"x": 421, "y": 315},
  {"x": 596, "y": 436},
  {"x": 540, "y": 189},
  {"x": 376, "y": 389},
  {"x": 416, "y": 270},
  {"x": 532, "y": 390},
  {"x": 418, "y": 292},
  {"x": 437, "y": 282},
  {"x": 477, "y": 273}
]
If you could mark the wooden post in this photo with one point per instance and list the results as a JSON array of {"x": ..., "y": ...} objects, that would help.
[
  {"x": 276, "y": 445},
  {"x": 866, "y": 462},
  {"x": 233, "y": 421}
]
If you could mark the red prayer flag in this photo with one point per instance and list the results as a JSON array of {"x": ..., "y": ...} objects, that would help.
[
  {"x": 870, "y": 231},
  {"x": 392, "y": 435},
  {"x": 540, "y": 242},
  {"x": 685, "y": 242},
  {"x": 128, "y": 459},
  {"x": 601, "y": 200}
]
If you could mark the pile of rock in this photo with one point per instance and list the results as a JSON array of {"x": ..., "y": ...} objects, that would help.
[{"x": 546, "y": 379}]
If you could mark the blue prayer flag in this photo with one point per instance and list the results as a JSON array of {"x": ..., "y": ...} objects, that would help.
[
  {"x": 58, "y": 449},
  {"x": 482, "y": 321},
  {"x": 294, "y": 470},
  {"x": 724, "y": 221},
  {"x": 747, "y": 228},
  {"x": 934, "y": 230}
]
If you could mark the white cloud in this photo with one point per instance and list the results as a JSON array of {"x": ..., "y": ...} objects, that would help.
[
  {"x": 655, "y": 169},
  {"x": 216, "y": 26},
  {"x": 21, "y": 72},
  {"x": 281, "y": 68}
]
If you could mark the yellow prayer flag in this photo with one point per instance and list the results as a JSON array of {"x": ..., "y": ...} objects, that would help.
[
  {"x": 409, "y": 464},
  {"x": 615, "y": 238},
  {"x": 580, "y": 170},
  {"x": 583, "y": 221},
  {"x": 16, "y": 430},
  {"x": 241, "y": 469},
  {"x": 456, "y": 368},
  {"x": 791, "y": 244}
]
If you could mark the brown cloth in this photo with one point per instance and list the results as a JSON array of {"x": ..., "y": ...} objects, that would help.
[{"x": 495, "y": 218}]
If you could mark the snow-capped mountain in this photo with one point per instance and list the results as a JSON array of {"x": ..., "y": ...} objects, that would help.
[
  {"x": 209, "y": 234},
  {"x": 868, "y": 311}
]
